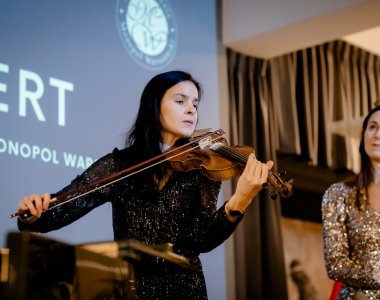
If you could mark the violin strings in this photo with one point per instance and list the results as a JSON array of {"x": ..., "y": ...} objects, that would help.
[{"x": 230, "y": 152}]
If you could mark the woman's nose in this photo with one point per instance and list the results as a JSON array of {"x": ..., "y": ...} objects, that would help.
[{"x": 190, "y": 109}]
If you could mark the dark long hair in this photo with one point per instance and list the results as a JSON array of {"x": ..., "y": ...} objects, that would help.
[
  {"x": 145, "y": 135},
  {"x": 365, "y": 177}
]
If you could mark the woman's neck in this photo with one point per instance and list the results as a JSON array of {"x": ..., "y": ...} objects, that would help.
[{"x": 376, "y": 171}]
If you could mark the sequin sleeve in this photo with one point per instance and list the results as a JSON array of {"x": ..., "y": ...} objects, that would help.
[
  {"x": 211, "y": 227},
  {"x": 345, "y": 246},
  {"x": 65, "y": 214}
]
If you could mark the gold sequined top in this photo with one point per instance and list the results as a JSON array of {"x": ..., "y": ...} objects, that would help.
[{"x": 351, "y": 242}]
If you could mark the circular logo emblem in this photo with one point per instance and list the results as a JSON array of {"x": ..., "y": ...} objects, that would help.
[{"x": 147, "y": 30}]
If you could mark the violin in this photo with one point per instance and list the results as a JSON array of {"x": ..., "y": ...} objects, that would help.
[
  {"x": 207, "y": 152},
  {"x": 218, "y": 161}
]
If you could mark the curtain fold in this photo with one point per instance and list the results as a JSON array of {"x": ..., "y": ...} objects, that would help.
[
  {"x": 258, "y": 245},
  {"x": 309, "y": 103}
]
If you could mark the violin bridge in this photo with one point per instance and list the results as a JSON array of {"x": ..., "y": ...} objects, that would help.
[{"x": 204, "y": 143}]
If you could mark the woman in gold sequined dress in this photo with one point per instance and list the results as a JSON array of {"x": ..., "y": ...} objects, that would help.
[{"x": 351, "y": 221}]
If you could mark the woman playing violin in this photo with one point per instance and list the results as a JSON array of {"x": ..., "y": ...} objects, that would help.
[{"x": 157, "y": 205}]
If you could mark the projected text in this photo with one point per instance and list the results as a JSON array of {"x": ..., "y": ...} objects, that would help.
[
  {"x": 31, "y": 91},
  {"x": 44, "y": 154}
]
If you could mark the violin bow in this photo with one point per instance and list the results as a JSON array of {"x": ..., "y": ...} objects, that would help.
[{"x": 197, "y": 137}]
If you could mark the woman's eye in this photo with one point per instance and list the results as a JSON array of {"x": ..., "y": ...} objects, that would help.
[{"x": 373, "y": 127}]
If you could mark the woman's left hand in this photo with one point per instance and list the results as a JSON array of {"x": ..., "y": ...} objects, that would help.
[{"x": 251, "y": 181}]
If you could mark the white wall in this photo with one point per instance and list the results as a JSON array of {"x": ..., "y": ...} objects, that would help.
[{"x": 267, "y": 29}]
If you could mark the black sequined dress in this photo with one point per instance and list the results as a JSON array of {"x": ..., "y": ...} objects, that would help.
[{"x": 184, "y": 213}]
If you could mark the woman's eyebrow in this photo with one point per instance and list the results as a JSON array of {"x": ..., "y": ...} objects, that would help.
[{"x": 185, "y": 96}]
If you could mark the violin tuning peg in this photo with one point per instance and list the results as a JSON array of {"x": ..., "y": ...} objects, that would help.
[
  {"x": 285, "y": 176},
  {"x": 272, "y": 193},
  {"x": 273, "y": 196},
  {"x": 291, "y": 180}
]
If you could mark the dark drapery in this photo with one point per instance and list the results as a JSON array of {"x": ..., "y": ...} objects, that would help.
[{"x": 309, "y": 103}]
